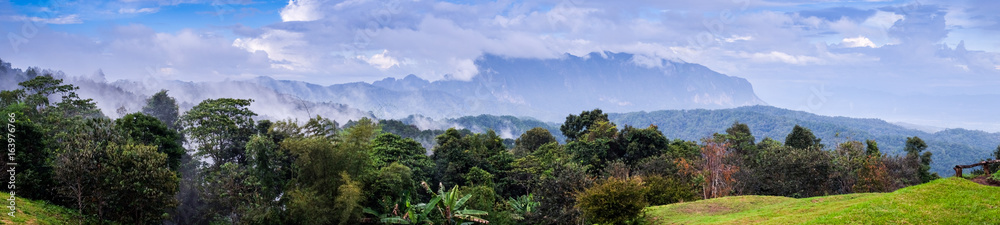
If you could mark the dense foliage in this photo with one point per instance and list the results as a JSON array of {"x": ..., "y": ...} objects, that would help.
[{"x": 244, "y": 170}]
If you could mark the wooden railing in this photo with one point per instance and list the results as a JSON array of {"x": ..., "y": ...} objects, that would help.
[{"x": 958, "y": 168}]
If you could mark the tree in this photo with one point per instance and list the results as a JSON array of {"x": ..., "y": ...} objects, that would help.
[
  {"x": 148, "y": 130},
  {"x": 32, "y": 154},
  {"x": 531, "y": 140},
  {"x": 637, "y": 144},
  {"x": 613, "y": 201},
  {"x": 576, "y": 126},
  {"x": 390, "y": 148},
  {"x": 802, "y": 138},
  {"x": 348, "y": 201},
  {"x": 996, "y": 153},
  {"x": 163, "y": 107},
  {"x": 740, "y": 138},
  {"x": 220, "y": 128},
  {"x": 872, "y": 148},
  {"x": 718, "y": 174},
  {"x": 873, "y": 176},
  {"x": 914, "y": 146},
  {"x": 394, "y": 184},
  {"x": 142, "y": 184},
  {"x": 557, "y": 199},
  {"x": 106, "y": 177}
]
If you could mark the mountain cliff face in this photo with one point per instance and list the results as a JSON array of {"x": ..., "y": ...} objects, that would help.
[{"x": 546, "y": 89}]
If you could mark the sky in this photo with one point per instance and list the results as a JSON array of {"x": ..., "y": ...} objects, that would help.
[{"x": 792, "y": 51}]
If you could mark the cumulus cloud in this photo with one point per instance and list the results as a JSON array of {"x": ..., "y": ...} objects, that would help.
[
  {"x": 301, "y": 10},
  {"x": 382, "y": 60},
  {"x": 855, "y": 42}
]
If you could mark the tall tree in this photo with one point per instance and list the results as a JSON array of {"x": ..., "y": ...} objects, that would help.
[
  {"x": 740, "y": 138},
  {"x": 163, "y": 107},
  {"x": 148, "y": 130},
  {"x": 220, "y": 128},
  {"x": 576, "y": 126},
  {"x": 531, "y": 140},
  {"x": 872, "y": 148},
  {"x": 636, "y": 144},
  {"x": 802, "y": 138},
  {"x": 914, "y": 147}
]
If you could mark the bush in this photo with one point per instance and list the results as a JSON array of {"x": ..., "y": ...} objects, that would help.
[
  {"x": 614, "y": 201},
  {"x": 996, "y": 176},
  {"x": 666, "y": 190}
]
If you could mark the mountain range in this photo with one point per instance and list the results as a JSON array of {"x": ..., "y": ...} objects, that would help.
[{"x": 547, "y": 89}]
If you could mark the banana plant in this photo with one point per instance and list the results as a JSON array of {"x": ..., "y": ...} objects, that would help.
[
  {"x": 414, "y": 214},
  {"x": 522, "y": 206},
  {"x": 450, "y": 205}
]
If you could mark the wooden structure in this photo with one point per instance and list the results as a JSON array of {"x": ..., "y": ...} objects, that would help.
[{"x": 958, "y": 168}]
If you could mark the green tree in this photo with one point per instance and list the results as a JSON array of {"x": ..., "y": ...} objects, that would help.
[
  {"x": 614, "y": 201},
  {"x": 163, "y": 107},
  {"x": 557, "y": 199},
  {"x": 637, "y": 144},
  {"x": 110, "y": 179},
  {"x": 914, "y": 146},
  {"x": 802, "y": 138},
  {"x": 576, "y": 126},
  {"x": 394, "y": 184},
  {"x": 142, "y": 185},
  {"x": 740, "y": 139},
  {"x": 390, "y": 148},
  {"x": 348, "y": 201},
  {"x": 148, "y": 130},
  {"x": 872, "y": 148},
  {"x": 531, "y": 140},
  {"x": 220, "y": 128},
  {"x": 32, "y": 154}
]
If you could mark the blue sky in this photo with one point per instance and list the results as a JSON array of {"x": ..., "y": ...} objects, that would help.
[{"x": 787, "y": 49}]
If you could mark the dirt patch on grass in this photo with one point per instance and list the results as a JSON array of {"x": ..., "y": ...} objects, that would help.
[
  {"x": 707, "y": 209},
  {"x": 985, "y": 181}
]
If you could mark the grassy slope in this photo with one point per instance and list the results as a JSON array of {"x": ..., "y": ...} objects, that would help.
[
  {"x": 944, "y": 201},
  {"x": 37, "y": 212}
]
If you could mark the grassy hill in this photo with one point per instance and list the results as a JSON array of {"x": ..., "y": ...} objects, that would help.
[
  {"x": 38, "y": 212},
  {"x": 943, "y": 201}
]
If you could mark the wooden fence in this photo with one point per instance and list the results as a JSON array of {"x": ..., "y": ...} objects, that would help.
[{"x": 958, "y": 168}]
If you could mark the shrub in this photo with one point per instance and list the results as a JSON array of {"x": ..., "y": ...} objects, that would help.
[
  {"x": 667, "y": 190},
  {"x": 614, "y": 201}
]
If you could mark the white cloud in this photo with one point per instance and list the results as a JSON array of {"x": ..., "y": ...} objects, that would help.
[
  {"x": 465, "y": 70},
  {"x": 882, "y": 19},
  {"x": 382, "y": 60},
  {"x": 735, "y": 38},
  {"x": 301, "y": 10},
  {"x": 137, "y": 11},
  {"x": 67, "y": 19},
  {"x": 281, "y": 47},
  {"x": 781, "y": 57},
  {"x": 859, "y": 41}
]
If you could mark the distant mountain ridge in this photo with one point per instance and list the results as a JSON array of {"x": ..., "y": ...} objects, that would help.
[
  {"x": 950, "y": 147},
  {"x": 547, "y": 89}
]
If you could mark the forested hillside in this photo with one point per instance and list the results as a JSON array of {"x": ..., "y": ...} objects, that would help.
[{"x": 950, "y": 147}]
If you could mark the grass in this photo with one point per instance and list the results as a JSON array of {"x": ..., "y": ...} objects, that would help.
[
  {"x": 37, "y": 212},
  {"x": 943, "y": 201}
]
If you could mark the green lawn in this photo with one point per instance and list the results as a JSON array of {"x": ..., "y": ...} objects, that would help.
[
  {"x": 943, "y": 201},
  {"x": 37, "y": 212}
]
